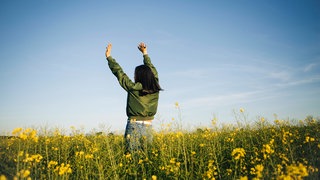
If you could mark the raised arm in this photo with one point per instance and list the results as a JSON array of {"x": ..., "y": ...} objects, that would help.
[
  {"x": 124, "y": 81},
  {"x": 146, "y": 59}
]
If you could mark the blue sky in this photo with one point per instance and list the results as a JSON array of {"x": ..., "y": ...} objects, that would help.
[{"x": 213, "y": 57}]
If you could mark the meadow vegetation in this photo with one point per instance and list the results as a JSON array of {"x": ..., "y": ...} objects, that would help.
[{"x": 280, "y": 149}]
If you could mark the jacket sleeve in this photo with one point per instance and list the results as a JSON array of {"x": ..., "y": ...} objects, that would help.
[
  {"x": 124, "y": 81},
  {"x": 147, "y": 61}
]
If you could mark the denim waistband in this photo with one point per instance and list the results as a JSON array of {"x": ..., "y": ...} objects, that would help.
[{"x": 140, "y": 121}]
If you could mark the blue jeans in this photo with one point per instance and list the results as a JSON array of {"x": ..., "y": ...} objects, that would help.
[{"x": 138, "y": 136}]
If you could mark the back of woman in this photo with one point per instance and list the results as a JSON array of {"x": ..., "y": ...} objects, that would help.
[{"x": 142, "y": 99}]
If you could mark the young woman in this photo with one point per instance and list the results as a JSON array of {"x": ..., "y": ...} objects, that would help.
[{"x": 142, "y": 99}]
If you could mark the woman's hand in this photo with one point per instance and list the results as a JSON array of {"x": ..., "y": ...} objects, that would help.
[
  {"x": 108, "y": 50},
  {"x": 143, "y": 48}
]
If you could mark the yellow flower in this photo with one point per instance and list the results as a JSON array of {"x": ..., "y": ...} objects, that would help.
[
  {"x": 128, "y": 156},
  {"x": 88, "y": 156},
  {"x": 16, "y": 131},
  {"x": 176, "y": 104},
  {"x": 56, "y": 132},
  {"x": 238, "y": 153},
  {"x": 3, "y": 177},
  {"x": 179, "y": 134},
  {"x": 21, "y": 153},
  {"x": 23, "y": 173},
  {"x": 52, "y": 164},
  {"x": 33, "y": 135},
  {"x": 241, "y": 110},
  {"x": 268, "y": 149},
  {"x": 285, "y": 177},
  {"x": 64, "y": 169},
  {"x": 154, "y": 177},
  {"x": 299, "y": 170},
  {"x": 243, "y": 178},
  {"x": 309, "y": 139},
  {"x": 214, "y": 121},
  {"x": 33, "y": 158},
  {"x": 229, "y": 171},
  {"x": 26, "y": 173},
  {"x": 23, "y": 136},
  {"x": 229, "y": 140},
  {"x": 259, "y": 169},
  {"x": 173, "y": 160},
  {"x": 81, "y": 153}
]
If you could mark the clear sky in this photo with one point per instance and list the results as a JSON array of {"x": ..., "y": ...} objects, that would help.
[{"x": 213, "y": 57}]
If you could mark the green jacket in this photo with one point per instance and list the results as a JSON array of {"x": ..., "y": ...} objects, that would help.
[{"x": 138, "y": 107}]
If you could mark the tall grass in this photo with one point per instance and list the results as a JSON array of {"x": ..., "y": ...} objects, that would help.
[{"x": 264, "y": 150}]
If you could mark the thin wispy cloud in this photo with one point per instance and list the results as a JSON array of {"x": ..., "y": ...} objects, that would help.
[
  {"x": 227, "y": 99},
  {"x": 300, "y": 82},
  {"x": 280, "y": 75},
  {"x": 310, "y": 67}
]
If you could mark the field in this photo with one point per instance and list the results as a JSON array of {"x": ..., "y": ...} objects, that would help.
[{"x": 260, "y": 150}]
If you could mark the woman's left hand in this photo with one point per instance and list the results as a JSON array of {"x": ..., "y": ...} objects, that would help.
[{"x": 108, "y": 50}]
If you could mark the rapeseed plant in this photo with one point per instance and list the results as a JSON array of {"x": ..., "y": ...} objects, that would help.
[{"x": 264, "y": 151}]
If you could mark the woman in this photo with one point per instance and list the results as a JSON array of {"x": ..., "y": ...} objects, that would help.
[{"x": 142, "y": 99}]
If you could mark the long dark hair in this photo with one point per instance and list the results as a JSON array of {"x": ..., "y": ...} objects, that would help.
[{"x": 145, "y": 76}]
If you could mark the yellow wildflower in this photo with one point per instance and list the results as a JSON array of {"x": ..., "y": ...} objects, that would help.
[
  {"x": 238, "y": 153},
  {"x": 64, "y": 169},
  {"x": 52, "y": 164},
  {"x": 80, "y": 153},
  {"x": 128, "y": 156},
  {"x": 214, "y": 121},
  {"x": 26, "y": 173},
  {"x": 298, "y": 171},
  {"x": 23, "y": 136},
  {"x": 268, "y": 149},
  {"x": 285, "y": 177},
  {"x": 16, "y": 131},
  {"x": 259, "y": 169},
  {"x": 3, "y": 177},
  {"x": 140, "y": 161},
  {"x": 23, "y": 173},
  {"x": 229, "y": 171},
  {"x": 20, "y": 153},
  {"x": 88, "y": 156},
  {"x": 173, "y": 160},
  {"x": 243, "y": 178},
  {"x": 309, "y": 139}
]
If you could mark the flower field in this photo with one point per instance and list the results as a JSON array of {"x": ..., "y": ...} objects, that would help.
[{"x": 261, "y": 150}]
